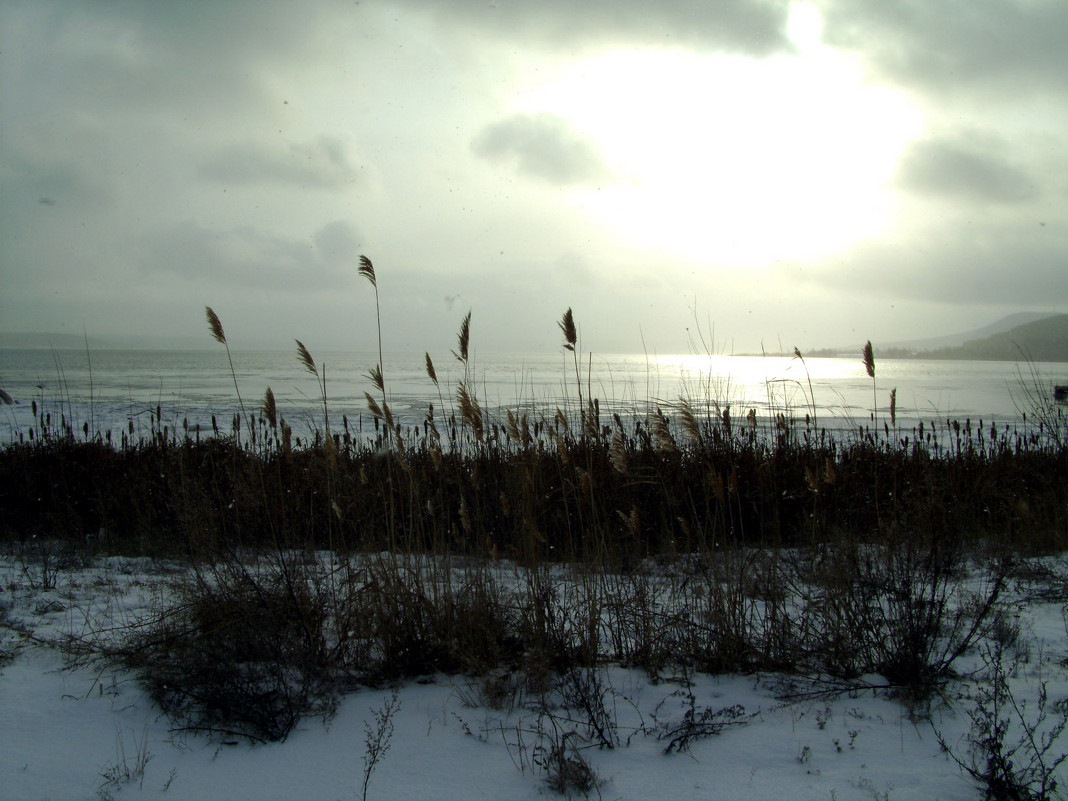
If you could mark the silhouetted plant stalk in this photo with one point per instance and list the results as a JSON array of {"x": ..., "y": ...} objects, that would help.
[
  {"x": 470, "y": 411},
  {"x": 367, "y": 270},
  {"x": 216, "y": 328},
  {"x": 869, "y": 367},
  {"x": 570, "y": 332},
  {"x": 811, "y": 394},
  {"x": 305, "y": 357}
]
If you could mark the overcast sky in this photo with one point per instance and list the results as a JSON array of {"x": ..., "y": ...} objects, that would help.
[{"x": 794, "y": 173}]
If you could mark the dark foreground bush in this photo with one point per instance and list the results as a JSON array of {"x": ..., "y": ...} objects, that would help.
[
  {"x": 238, "y": 654},
  {"x": 249, "y": 648}
]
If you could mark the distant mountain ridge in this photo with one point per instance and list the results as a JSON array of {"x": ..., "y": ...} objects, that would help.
[
  {"x": 1004, "y": 325},
  {"x": 1044, "y": 340},
  {"x": 1040, "y": 336}
]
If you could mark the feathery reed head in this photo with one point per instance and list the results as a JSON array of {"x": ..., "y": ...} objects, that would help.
[
  {"x": 464, "y": 338},
  {"x": 567, "y": 326},
  {"x": 869, "y": 360},
  {"x": 376, "y": 377},
  {"x": 215, "y": 325},
  {"x": 893, "y": 407},
  {"x": 430, "y": 371},
  {"x": 306, "y": 358},
  {"x": 617, "y": 453},
  {"x": 689, "y": 420},
  {"x": 470, "y": 410},
  {"x": 662, "y": 439},
  {"x": 367, "y": 270},
  {"x": 270, "y": 408},
  {"x": 372, "y": 404}
]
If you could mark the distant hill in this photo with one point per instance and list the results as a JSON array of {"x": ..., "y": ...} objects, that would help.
[
  {"x": 1001, "y": 326},
  {"x": 1041, "y": 335},
  {"x": 1045, "y": 340}
]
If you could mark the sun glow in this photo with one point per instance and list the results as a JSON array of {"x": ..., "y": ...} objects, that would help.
[{"x": 733, "y": 159}]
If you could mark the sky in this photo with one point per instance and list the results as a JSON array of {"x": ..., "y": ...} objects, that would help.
[{"x": 685, "y": 175}]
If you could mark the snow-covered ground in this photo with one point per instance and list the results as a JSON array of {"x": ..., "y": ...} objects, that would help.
[{"x": 86, "y": 733}]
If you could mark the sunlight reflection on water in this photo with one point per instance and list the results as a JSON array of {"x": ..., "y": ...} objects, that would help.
[{"x": 120, "y": 388}]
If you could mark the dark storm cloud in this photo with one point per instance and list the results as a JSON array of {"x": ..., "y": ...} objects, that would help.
[
  {"x": 754, "y": 27},
  {"x": 322, "y": 163},
  {"x": 966, "y": 169},
  {"x": 953, "y": 46},
  {"x": 543, "y": 146}
]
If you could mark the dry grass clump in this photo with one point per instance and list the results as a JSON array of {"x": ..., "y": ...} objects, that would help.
[{"x": 238, "y": 654}]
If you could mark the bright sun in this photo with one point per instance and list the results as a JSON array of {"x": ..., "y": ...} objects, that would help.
[{"x": 736, "y": 160}]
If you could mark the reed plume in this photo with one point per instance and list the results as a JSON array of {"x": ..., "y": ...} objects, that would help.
[
  {"x": 689, "y": 421},
  {"x": 433, "y": 375},
  {"x": 470, "y": 410},
  {"x": 305, "y": 357},
  {"x": 463, "y": 339},
  {"x": 367, "y": 270},
  {"x": 512, "y": 428},
  {"x": 216, "y": 328},
  {"x": 811, "y": 394},
  {"x": 375, "y": 375},
  {"x": 869, "y": 367},
  {"x": 215, "y": 325},
  {"x": 617, "y": 453},
  {"x": 372, "y": 404},
  {"x": 662, "y": 434},
  {"x": 869, "y": 360},
  {"x": 568, "y": 329},
  {"x": 270, "y": 409},
  {"x": 567, "y": 326}
]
